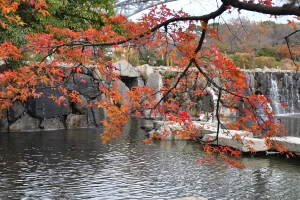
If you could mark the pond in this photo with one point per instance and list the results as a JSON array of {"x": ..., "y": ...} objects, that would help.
[{"x": 74, "y": 164}]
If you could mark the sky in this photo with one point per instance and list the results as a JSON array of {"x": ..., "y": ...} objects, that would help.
[{"x": 200, "y": 7}]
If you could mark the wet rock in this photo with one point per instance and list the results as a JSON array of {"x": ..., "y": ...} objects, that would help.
[
  {"x": 25, "y": 123},
  {"x": 52, "y": 124},
  {"x": 76, "y": 121}
]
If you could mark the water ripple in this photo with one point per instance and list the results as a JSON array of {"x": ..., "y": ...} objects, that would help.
[{"x": 76, "y": 165}]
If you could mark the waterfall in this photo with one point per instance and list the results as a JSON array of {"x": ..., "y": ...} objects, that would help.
[
  {"x": 275, "y": 97},
  {"x": 282, "y": 89}
]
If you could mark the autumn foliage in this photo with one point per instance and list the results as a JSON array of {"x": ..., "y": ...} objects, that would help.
[{"x": 63, "y": 52}]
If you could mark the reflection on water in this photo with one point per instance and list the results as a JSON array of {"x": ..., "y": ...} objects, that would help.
[
  {"x": 74, "y": 164},
  {"x": 291, "y": 123}
]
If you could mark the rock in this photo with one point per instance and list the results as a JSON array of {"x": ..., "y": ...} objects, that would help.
[
  {"x": 81, "y": 108},
  {"x": 52, "y": 124},
  {"x": 145, "y": 71},
  {"x": 85, "y": 85},
  {"x": 154, "y": 81},
  {"x": 124, "y": 68},
  {"x": 46, "y": 108},
  {"x": 76, "y": 121},
  {"x": 140, "y": 82},
  {"x": 96, "y": 74},
  {"x": 4, "y": 121},
  {"x": 122, "y": 89},
  {"x": 95, "y": 116},
  {"x": 15, "y": 111},
  {"x": 256, "y": 144},
  {"x": 147, "y": 127},
  {"x": 25, "y": 123},
  {"x": 291, "y": 143}
]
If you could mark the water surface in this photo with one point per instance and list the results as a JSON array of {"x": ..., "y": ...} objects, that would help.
[{"x": 74, "y": 164}]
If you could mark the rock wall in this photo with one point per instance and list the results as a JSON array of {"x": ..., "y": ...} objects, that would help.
[{"x": 43, "y": 114}]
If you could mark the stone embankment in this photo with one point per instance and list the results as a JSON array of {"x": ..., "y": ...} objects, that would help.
[
  {"x": 44, "y": 114},
  {"x": 246, "y": 143}
]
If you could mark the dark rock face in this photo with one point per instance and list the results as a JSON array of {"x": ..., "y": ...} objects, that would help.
[
  {"x": 46, "y": 108},
  {"x": 4, "y": 122},
  {"x": 45, "y": 114},
  {"x": 84, "y": 85},
  {"x": 95, "y": 116},
  {"x": 15, "y": 111},
  {"x": 26, "y": 123},
  {"x": 81, "y": 108}
]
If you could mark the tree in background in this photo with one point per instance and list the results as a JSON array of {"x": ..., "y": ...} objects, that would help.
[{"x": 169, "y": 32}]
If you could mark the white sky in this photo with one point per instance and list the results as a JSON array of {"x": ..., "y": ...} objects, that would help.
[{"x": 200, "y": 7}]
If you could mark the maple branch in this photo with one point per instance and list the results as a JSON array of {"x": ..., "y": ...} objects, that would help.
[
  {"x": 218, "y": 117},
  {"x": 185, "y": 70},
  {"x": 288, "y": 44},
  {"x": 205, "y": 18},
  {"x": 265, "y": 9}
]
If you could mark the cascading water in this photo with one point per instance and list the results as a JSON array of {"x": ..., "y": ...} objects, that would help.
[
  {"x": 275, "y": 97},
  {"x": 282, "y": 89}
]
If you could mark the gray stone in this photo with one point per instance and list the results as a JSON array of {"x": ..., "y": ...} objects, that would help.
[
  {"x": 96, "y": 116},
  {"x": 85, "y": 85},
  {"x": 15, "y": 111},
  {"x": 96, "y": 74},
  {"x": 76, "y": 121},
  {"x": 154, "y": 81},
  {"x": 291, "y": 143},
  {"x": 81, "y": 108},
  {"x": 145, "y": 71},
  {"x": 124, "y": 68},
  {"x": 52, "y": 124},
  {"x": 140, "y": 82},
  {"x": 46, "y": 108},
  {"x": 123, "y": 89},
  {"x": 25, "y": 123}
]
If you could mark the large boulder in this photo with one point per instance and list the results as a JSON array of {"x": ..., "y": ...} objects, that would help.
[
  {"x": 4, "y": 121},
  {"x": 95, "y": 116},
  {"x": 81, "y": 108},
  {"x": 15, "y": 111},
  {"x": 145, "y": 71},
  {"x": 123, "y": 89},
  {"x": 124, "y": 68},
  {"x": 76, "y": 121},
  {"x": 52, "y": 124},
  {"x": 46, "y": 108},
  {"x": 25, "y": 123},
  {"x": 85, "y": 85},
  {"x": 155, "y": 82}
]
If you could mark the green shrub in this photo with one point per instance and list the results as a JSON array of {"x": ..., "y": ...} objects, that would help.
[
  {"x": 260, "y": 62},
  {"x": 168, "y": 75},
  {"x": 242, "y": 60}
]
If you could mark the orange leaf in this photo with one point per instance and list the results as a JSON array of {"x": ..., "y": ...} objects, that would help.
[{"x": 292, "y": 23}]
